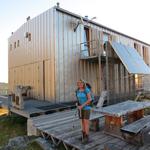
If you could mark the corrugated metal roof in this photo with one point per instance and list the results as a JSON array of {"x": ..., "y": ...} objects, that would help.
[
  {"x": 100, "y": 25},
  {"x": 133, "y": 62}
]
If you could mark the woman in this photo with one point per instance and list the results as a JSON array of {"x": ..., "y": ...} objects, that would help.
[{"x": 84, "y": 100}]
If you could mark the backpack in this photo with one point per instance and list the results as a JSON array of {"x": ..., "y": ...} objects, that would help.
[{"x": 91, "y": 93}]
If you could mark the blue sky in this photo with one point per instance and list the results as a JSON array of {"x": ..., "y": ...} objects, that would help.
[{"x": 128, "y": 16}]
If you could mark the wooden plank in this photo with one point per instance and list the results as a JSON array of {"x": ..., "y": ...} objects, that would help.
[
  {"x": 58, "y": 120},
  {"x": 64, "y": 128},
  {"x": 50, "y": 125},
  {"x": 55, "y": 116},
  {"x": 110, "y": 146},
  {"x": 136, "y": 115},
  {"x": 60, "y": 126},
  {"x": 137, "y": 126},
  {"x": 98, "y": 142},
  {"x": 123, "y": 108},
  {"x": 22, "y": 113},
  {"x": 52, "y": 116},
  {"x": 77, "y": 144},
  {"x": 69, "y": 134},
  {"x": 95, "y": 115},
  {"x": 147, "y": 147}
]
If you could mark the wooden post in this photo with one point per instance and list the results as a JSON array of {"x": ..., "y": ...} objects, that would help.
[
  {"x": 119, "y": 79},
  {"x": 107, "y": 73},
  {"x": 100, "y": 71},
  {"x": 113, "y": 125},
  {"x": 113, "y": 90}
]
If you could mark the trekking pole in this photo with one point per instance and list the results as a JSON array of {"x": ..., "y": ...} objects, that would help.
[
  {"x": 75, "y": 115},
  {"x": 79, "y": 110}
]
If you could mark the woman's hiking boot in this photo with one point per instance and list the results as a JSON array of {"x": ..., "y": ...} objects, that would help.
[{"x": 85, "y": 139}]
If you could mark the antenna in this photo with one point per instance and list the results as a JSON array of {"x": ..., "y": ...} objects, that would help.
[
  {"x": 79, "y": 22},
  {"x": 93, "y": 18}
]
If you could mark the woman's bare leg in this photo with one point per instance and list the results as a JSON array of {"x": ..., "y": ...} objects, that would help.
[{"x": 86, "y": 125}]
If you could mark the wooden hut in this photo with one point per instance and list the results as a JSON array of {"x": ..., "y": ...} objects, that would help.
[{"x": 53, "y": 50}]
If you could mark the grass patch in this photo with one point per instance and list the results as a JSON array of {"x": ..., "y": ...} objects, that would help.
[{"x": 11, "y": 126}]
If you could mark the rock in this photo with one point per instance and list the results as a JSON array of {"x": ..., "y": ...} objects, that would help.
[
  {"x": 18, "y": 143},
  {"x": 21, "y": 143},
  {"x": 44, "y": 144}
]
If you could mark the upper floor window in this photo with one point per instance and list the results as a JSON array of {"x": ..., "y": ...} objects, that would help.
[
  {"x": 86, "y": 42},
  {"x": 145, "y": 54},
  {"x": 105, "y": 37},
  {"x": 136, "y": 46}
]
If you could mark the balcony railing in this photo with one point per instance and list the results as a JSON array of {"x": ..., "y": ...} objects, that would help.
[{"x": 89, "y": 48}]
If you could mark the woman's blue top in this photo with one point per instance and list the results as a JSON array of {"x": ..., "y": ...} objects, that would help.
[{"x": 82, "y": 98}]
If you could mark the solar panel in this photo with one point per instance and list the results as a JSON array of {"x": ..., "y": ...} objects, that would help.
[{"x": 133, "y": 62}]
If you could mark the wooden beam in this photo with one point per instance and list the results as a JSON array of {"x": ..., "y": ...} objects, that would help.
[{"x": 107, "y": 73}]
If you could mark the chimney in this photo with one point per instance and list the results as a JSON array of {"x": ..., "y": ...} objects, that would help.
[
  {"x": 28, "y": 18},
  {"x": 58, "y": 4}
]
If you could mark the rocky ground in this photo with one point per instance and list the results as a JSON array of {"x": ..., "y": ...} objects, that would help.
[
  {"x": 13, "y": 135},
  {"x": 27, "y": 143}
]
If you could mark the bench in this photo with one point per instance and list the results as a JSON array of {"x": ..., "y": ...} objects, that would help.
[
  {"x": 137, "y": 132},
  {"x": 94, "y": 117}
]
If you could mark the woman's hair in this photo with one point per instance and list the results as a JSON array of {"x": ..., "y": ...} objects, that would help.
[{"x": 82, "y": 81}]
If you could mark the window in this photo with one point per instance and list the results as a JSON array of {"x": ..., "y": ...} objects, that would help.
[
  {"x": 136, "y": 46},
  {"x": 14, "y": 45},
  {"x": 18, "y": 43},
  {"x": 145, "y": 54},
  {"x": 138, "y": 81},
  {"x": 29, "y": 36},
  {"x": 86, "y": 42},
  {"x": 105, "y": 37},
  {"x": 10, "y": 47}
]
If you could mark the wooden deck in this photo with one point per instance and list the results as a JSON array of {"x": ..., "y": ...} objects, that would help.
[
  {"x": 34, "y": 107},
  {"x": 64, "y": 127}
]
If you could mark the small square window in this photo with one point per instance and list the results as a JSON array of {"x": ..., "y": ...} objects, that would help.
[
  {"x": 29, "y": 37},
  {"x": 18, "y": 43},
  {"x": 15, "y": 45}
]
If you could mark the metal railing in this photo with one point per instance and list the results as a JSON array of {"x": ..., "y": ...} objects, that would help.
[
  {"x": 90, "y": 48},
  {"x": 3, "y": 91}
]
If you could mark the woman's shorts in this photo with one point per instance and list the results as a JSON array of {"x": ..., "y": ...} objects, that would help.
[{"x": 84, "y": 114}]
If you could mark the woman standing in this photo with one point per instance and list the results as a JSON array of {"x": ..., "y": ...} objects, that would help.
[{"x": 84, "y": 100}]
